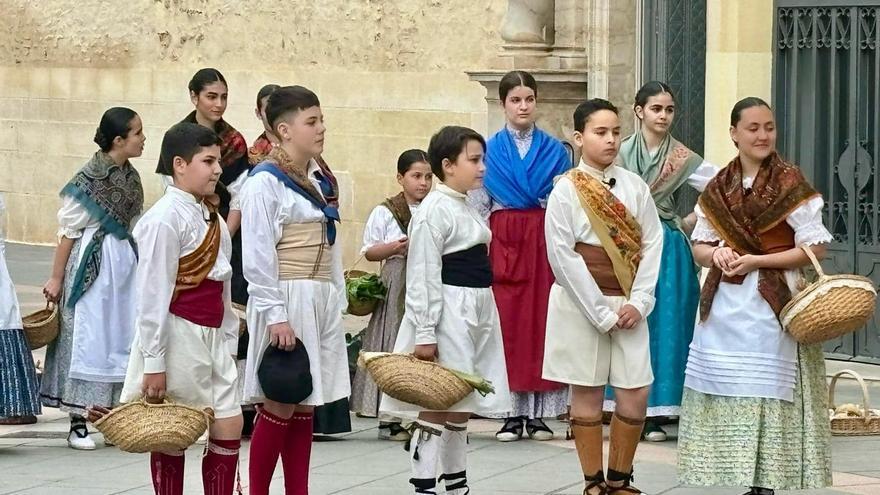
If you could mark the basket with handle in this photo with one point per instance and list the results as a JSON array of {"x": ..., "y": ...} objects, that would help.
[
  {"x": 41, "y": 327},
  {"x": 356, "y": 306},
  {"x": 832, "y": 306},
  {"x": 140, "y": 426},
  {"x": 424, "y": 383},
  {"x": 867, "y": 424}
]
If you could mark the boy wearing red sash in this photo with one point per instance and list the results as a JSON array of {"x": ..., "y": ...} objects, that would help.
[{"x": 187, "y": 334}]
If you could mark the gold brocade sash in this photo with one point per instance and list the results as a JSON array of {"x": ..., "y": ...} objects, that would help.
[
  {"x": 303, "y": 252},
  {"x": 194, "y": 267},
  {"x": 618, "y": 231}
]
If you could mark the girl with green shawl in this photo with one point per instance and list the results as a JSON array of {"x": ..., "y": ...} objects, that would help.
[
  {"x": 93, "y": 275},
  {"x": 666, "y": 165}
]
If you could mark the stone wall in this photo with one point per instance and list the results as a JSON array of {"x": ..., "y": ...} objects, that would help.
[{"x": 388, "y": 74}]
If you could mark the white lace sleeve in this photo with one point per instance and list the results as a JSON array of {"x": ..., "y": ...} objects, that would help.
[
  {"x": 703, "y": 230},
  {"x": 806, "y": 221}
]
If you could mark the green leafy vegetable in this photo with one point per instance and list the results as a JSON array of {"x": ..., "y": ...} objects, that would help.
[{"x": 365, "y": 287}]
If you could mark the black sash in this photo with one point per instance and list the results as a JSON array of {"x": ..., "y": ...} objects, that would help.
[{"x": 468, "y": 268}]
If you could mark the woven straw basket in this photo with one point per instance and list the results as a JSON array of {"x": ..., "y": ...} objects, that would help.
[
  {"x": 832, "y": 306},
  {"x": 359, "y": 307},
  {"x": 411, "y": 380},
  {"x": 41, "y": 327},
  {"x": 854, "y": 426},
  {"x": 143, "y": 427}
]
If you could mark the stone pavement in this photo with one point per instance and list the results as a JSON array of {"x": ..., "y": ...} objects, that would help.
[{"x": 34, "y": 459}]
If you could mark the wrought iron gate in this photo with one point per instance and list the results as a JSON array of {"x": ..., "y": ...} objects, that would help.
[
  {"x": 826, "y": 93},
  {"x": 674, "y": 51}
]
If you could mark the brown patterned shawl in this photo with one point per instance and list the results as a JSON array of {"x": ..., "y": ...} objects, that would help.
[
  {"x": 740, "y": 216},
  {"x": 617, "y": 229},
  {"x": 399, "y": 207}
]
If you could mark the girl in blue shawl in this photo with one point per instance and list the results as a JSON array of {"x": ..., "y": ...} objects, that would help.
[{"x": 521, "y": 163}]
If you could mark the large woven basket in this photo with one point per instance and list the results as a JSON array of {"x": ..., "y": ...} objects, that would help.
[
  {"x": 853, "y": 426},
  {"x": 143, "y": 427},
  {"x": 359, "y": 307},
  {"x": 411, "y": 380},
  {"x": 832, "y": 306},
  {"x": 41, "y": 327}
]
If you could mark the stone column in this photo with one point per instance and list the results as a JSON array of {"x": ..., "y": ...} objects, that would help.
[{"x": 576, "y": 49}]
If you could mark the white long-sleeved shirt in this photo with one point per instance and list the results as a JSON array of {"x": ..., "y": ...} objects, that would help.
[
  {"x": 443, "y": 224},
  {"x": 566, "y": 224},
  {"x": 173, "y": 228},
  {"x": 382, "y": 228},
  {"x": 267, "y": 206}
]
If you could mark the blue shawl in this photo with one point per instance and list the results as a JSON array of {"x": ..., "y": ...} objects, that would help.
[{"x": 521, "y": 183}]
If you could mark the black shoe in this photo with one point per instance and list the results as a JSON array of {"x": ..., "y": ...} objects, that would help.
[
  {"x": 511, "y": 431},
  {"x": 538, "y": 430}
]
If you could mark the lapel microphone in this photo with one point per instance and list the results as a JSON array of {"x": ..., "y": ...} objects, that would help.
[{"x": 610, "y": 182}]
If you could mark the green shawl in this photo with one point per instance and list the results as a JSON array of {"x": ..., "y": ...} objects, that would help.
[{"x": 664, "y": 172}]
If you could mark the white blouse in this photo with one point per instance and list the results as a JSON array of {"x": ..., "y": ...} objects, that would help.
[
  {"x": 267, "y": 205},
  {"x": 73, "y": 218},
  {"x": 566, "y": 224},
  {"x": 444, "y": 223},
  {"x": 174, "y": 227},
  {"x": 382, "y": 228}
]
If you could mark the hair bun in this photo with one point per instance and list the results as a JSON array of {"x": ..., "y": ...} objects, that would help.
[{"x": 101, "y": 140}]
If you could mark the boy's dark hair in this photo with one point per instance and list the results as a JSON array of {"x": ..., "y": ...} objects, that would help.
[
  {"x": 287, "y": 100},
  {"x": 448, "y": 143},
  {"x": 408, "y": 157},
  {"x": 584, "y": 110},
  {"x": 184, "y": 140}
]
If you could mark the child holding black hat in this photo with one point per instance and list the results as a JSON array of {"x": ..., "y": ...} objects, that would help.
[
  {"x": 296, "y": 287},
  {"x": 186, "y": 332}
]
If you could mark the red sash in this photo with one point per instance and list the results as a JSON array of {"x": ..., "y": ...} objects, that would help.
[{"x": 202, "y": 305}]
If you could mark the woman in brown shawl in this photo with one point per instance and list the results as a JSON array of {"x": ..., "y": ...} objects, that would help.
[{"x": 754, "y": 411}]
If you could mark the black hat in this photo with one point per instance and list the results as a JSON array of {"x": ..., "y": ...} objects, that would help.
[{"x": 284, "y": 375}]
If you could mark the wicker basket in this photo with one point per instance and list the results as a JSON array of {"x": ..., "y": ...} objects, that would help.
[
  {"x": 359, "y": 307},
  {"x": 832, "y": 306},
  {"x": 41, "y": 327},
  {"x": 143, "y": 427},
  {"x": 854, "y": 426},
  {"x": 411, "y": 380}
]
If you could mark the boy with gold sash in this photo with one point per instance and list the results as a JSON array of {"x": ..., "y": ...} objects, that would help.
[
  {"x": 186, "y": 332},
  {"x": 604, "y": 241}
]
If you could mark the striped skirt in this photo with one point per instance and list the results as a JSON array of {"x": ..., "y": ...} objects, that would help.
[{"x": 19, "y": 390}]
